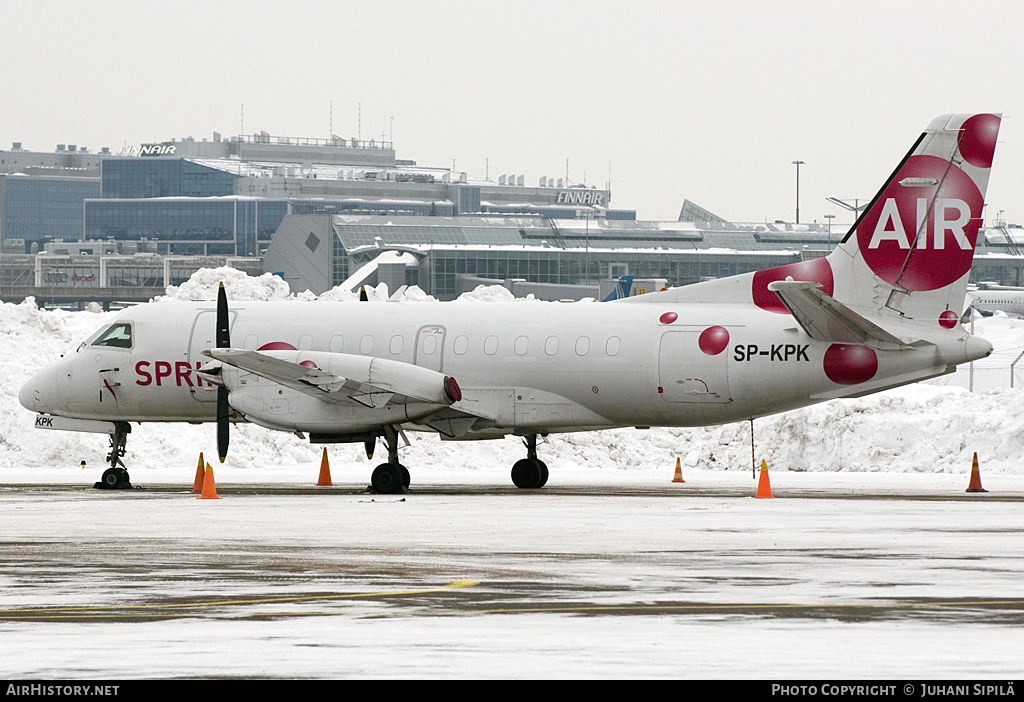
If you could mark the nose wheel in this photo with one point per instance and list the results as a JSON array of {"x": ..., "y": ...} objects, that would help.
[{"x": 116, "y": 476}]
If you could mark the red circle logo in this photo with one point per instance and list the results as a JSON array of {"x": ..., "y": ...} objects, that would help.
[
  {"x": 921, "y": 232},
  {"x": 978, "y": 142},
  {"x": 848, "y": 364},
  {"x": 668, "y": 318},
  {"x": 713, "y": 340},
  {"x": 948, "y": 319},
  {"x": 817, "y": 270}
]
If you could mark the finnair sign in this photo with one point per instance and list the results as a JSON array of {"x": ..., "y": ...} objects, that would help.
[
  {"x": 148, "y": 150},
  {"x": 581, "y": 197}
]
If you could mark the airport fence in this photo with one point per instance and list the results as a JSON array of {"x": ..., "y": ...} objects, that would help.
[{"x": 1003, "y": 369}]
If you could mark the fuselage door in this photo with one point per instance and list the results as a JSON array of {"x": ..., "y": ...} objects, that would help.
[
  {"x": 688, "y": 374},
  {"x": 430, "y": 348}
]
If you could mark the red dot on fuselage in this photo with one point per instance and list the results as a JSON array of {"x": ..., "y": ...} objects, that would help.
[
  {"x": 668, "y": 318},
  {"x": 713, "y": 340},
  {"x": 849, "y": 364}
]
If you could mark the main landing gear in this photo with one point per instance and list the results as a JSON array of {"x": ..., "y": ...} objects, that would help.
[
  {"x": 392, "y": 478},
  {"x": 389, "y": 478},
  {"x": 530, "y": 472},
  {"x": 116, "y": 476}
]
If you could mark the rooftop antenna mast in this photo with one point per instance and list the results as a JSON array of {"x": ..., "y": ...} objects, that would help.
[{"x": 359, "y": 124}]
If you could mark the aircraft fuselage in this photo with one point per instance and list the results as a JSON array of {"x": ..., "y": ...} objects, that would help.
[{"x": 527, "y": 367}]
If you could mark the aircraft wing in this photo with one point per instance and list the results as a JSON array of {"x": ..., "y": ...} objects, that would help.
[
  {"x": 314, "y": 382},
  {"x": 371, "y": 382},
  {"x": 826, "y": 319}
]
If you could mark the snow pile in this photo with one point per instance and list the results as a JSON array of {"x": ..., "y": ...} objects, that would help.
[
  {"x": 238, "y": 285},
  {"x": 917, "y": 428}
]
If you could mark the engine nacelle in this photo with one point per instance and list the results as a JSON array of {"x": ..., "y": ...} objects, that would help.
[{"x": 349, "y": 393}]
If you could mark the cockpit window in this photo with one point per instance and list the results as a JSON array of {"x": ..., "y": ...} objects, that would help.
[{"x": 118, "y": 335}]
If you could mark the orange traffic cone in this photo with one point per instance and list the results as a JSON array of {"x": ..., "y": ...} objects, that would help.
[
  {"x": 975, "y": 485},
  {"x": 764, "y": 488},
  {"x": 325, "y": 472},
  {"x": 197, "y": 486},
  {"x": 209, "y": 486},
  {"x": 678, "y": 478}
]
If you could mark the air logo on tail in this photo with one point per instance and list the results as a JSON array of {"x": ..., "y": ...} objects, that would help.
[{"x": 921, "y": 232}]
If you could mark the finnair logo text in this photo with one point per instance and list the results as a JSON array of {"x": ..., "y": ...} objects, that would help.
[{"x": 890, "y": 224}]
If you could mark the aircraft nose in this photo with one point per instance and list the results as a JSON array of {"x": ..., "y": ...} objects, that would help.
[
  {"x": 27, "y": 394},
  {"x": 39, "y": 394}
]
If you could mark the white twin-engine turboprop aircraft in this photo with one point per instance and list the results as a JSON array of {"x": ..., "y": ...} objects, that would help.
[{"x": 881, "y": 310}]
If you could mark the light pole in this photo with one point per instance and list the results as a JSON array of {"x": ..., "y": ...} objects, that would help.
[
  {"x": 797, "y": 164},
  {"x": 830, "y": 218},
  {"x": 855, "y": 208}
]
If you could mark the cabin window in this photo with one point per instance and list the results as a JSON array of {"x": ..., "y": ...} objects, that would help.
[
  {"x": 337, "y": 342},
  {"x": 117, "y": 335},
  {"x": 397, "y": 343},
  {"x": 551, "y": 345},
  {"x": 305, "y": 342},
  {"x": 582, "y": 346},
  {"x": 522, "y": 345},
  {"x": 612, "y": 347},
  {"x": 366, "y": 344},
  {"x": 461, "y": 345},
  {"x": 491, "y": 345},
  {"x": 429, "y": 345}
]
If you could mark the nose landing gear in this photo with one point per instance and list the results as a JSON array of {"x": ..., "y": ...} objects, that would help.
[{"x": 116, "y": 476}]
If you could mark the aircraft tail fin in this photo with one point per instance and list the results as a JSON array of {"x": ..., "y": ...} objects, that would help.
[{"x": 909, "y": 254}]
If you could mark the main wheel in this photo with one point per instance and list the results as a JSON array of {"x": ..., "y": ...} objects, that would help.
[
  {"x": 111, "y": 477},
  {"x": 387, "y": 479},
  {"x": 543, "y": 473},
  {"x": 529, "y": 474}
]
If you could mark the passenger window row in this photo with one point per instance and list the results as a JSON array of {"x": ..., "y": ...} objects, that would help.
[{"x": 520, "y": 346}]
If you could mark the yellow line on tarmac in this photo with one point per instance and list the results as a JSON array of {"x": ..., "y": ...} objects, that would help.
[{"x": 42, "y": 611}]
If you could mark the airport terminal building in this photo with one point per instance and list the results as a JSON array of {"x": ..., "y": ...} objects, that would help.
[{"x": 323, "y": 212}]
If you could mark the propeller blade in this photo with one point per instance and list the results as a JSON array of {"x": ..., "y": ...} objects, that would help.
[
  {"x": 223, "y": 425},
  {"x": 223, "y": 335},
  {"x": 223, "y": 342}
]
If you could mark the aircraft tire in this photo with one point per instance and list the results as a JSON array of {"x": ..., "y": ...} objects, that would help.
[
  {"x": 387, "y": 479},
  {"x": 406, "y": 478},
  {"x": 529, "y": 474},
  {"x": 111, "y": 478}
]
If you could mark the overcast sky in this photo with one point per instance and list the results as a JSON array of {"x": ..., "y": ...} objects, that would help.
[{"x": 710, "y": 101}]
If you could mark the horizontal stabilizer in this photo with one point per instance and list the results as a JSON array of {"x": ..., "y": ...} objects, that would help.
[{"x": 826, "y": 319}]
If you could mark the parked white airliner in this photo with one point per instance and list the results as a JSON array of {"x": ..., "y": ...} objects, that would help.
[{"x": 881, "y": 310}]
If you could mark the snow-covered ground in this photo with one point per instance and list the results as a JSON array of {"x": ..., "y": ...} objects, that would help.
[{"x": 917, "y": 429}]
